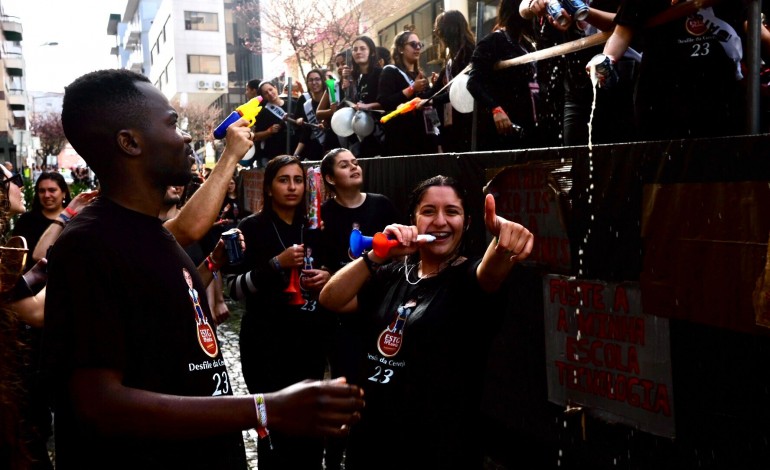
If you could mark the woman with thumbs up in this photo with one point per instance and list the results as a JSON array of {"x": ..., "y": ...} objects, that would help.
[{"x": 429, "y": 312}]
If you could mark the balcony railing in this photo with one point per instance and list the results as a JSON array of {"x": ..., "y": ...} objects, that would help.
[{"x": 12, "y": 29}]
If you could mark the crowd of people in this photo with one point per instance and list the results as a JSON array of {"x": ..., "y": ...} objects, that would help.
[
  {"x": 697, "y": 47},
  {"x": 120, "y": 298},
  {"x": 109, "y": 319}
]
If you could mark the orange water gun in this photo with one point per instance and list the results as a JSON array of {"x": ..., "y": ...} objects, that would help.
[{"x": 401, "y": 109}]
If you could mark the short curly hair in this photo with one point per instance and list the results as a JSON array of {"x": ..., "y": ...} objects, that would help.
[{"x": 96, "y": 106}]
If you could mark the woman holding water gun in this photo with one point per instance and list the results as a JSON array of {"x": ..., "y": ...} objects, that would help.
[{"x": 403, "y": 82}]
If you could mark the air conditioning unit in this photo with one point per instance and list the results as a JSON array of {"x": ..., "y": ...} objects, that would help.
[
  {"x": 203, "y": 85},
  {"x": 220, "y": 85}
]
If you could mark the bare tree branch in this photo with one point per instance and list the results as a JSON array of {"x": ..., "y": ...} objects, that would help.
[
  {"x": 47, "y": 126},
  {"x": 315, "y": 32},
  {"x": 201, "y": 121}
]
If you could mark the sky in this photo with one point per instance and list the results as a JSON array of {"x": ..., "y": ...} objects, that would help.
[{"x": 80, "y": 28}]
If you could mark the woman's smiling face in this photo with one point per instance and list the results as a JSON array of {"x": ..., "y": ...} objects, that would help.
[{"x": 440, "y": 213}]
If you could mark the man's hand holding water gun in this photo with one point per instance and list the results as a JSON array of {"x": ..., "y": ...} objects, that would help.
[{"x": 247, "y": 111}]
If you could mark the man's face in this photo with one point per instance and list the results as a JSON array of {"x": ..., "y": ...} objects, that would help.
[
  {"x": 250, "y": 93},
  {"x": 166, "y": 147}
]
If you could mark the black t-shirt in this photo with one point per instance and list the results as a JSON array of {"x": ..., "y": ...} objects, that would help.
[
  {"x": 368, "y": 86},
  {"x": 281, "y": 343},
  {"x": 688, "y": 84},
  {"x": 422, "y": 371},
  {"x": 695, "y": 46},
  {"x": 31, "y": 226},
  {"x": 266, "y": 236},
  {"x": 118, "y": 298},
  {"x": 372, "y": 216},
  {"x": 231, "y": 210}
]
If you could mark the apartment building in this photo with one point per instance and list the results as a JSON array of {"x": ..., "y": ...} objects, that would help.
[
  {"x": 131, "y": 31},
  {"x": 13, "y": 99},
  {"x": 190, "y": 49}
]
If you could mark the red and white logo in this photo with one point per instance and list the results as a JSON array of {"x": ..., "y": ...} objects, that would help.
[
  {"x": 392, "y": 337},
  {"x": 206, "y": 337},
  {"x": 695, "y": 25}
]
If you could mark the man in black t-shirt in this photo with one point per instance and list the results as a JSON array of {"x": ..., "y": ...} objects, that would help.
[{"x": 130, "y": 349}]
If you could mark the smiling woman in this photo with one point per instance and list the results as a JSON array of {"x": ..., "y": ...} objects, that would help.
[
  {"x": 428, "y": 317},
  {"x": 348, "y": 208},
  {"x": 51, "y": 198},
  {"x": 407, "y": 133}
]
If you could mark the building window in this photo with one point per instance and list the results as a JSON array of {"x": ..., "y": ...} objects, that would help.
[
  {"x": 163, "y": 32},
  {"x": 201, "y": 21},
  {"x": 421, "y": 19},
  {"x": 154, "y": 51},
  {"x": 210, "y": 64}
]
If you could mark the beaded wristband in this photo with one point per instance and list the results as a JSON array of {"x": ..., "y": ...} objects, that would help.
[
  {"x": 64, "y": 219},
  {"x": 261, "y": 412}
]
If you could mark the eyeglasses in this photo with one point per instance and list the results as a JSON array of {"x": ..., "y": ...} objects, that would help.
[
  {"x": 416, "y": 44},
  {"x": 15, "y": 179}
]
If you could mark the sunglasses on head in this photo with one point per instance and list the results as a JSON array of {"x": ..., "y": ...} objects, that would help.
[
  {"x": 15, "y": 179},
  {"x": 416, "y": 44}
]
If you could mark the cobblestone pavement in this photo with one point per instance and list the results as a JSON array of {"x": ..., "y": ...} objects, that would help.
[{"x": 228, "y": 339}]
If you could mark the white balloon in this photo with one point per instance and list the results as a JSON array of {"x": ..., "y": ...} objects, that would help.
[
  {"x": 363, "y": 124},
  {"x": 459, "y": 96},
  {"x": 342, "y": 122}
]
